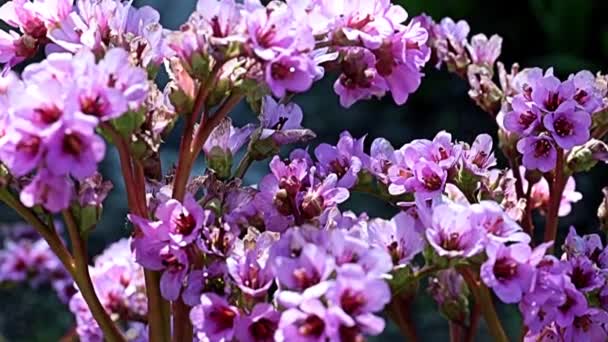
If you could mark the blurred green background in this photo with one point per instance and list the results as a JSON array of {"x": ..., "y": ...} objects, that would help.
[{"x": 567, "y": 34}]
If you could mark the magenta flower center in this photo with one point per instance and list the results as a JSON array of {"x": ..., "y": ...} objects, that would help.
[
  {"x": 432, "y": 182},
  {"x": 263, "y": 329},
  {"x": 553, "y": 101},
  {"x": 451, "y": 242},
  {"x": 542, "y": 148},
  {"x": 312, "y": 326},
  {"x": 304, "y": 279},
  {"x": 581, "y": 96},
  {"x": 223, "y": 318},
  {"x": 48, "y": 115},
  {"x": 281, "y": 71},
  {"x": 352, "y": 301},
  {"x": 72, "y": 144},
  {"x": 480, "y": 159},
  {"x": 581, "y": 278},
  {"x": 184, "y": 224},
  {"x": 30, "y": 145},
  {"x": 505, "y": 269},
  {"x": 526, "y": 119},
  {"x": 563, "y": 127},
  {"x": 583, "y": 323},
  {"x": 93, "y": 106}
]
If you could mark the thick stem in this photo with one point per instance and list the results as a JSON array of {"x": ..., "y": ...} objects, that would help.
[
  {"x": 473, "y": 323},
  {"x": 455, "y": 331},
  {"x": 555, "y": 196},
  {"x": 158, "y": 313},
  {"x": 484, "y": 298},
  {"x": 84, "y": 282},
  {"x": 399, "y": 312}
]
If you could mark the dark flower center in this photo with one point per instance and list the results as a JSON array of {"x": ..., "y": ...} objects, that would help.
[
  {"x": 304, "y": 279},
  {"x": 432, "y": 182},
  {"x": 583, "y": 323},
  {"x": 505, "y": 269},
  {"x": 526, "y": 119},
  {"x": 29, "y": 145},
  {"x": 542, "y": 148},
  {"x": 563, "y": 127},
  {"x": 351, "y": 334},
  {"x": 352, "y": 301},
  {"x": 581, "y": 278},
  {"x": 72, "y": 144},
  {"x": 480, "y": 159},
  {"x": 581, "y": 96},
  {"x": 48, "y": 115},
  {"x": 280, "y": 71},
  {"x": 223, "y": 318},
  {"x": 394, "y": 251},
  {"x": 451, "y": 242},
  {"x": 553, "y": 101},
  {"x": 184, "y": 224},
  {"x": 312, "y": 326},
  {"x": 263, "y": 329},
  {"x": 93, "y": 106}
]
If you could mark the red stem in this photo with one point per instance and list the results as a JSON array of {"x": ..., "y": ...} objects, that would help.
[{"x": 557, "y": 185}]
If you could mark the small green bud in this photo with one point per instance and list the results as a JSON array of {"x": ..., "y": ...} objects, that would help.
[{"x": 220, "y": 162}]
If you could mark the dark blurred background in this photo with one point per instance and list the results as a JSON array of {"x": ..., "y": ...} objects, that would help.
[{"x": 569, "y": 35}]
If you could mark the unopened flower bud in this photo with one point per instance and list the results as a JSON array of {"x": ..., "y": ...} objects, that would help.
[
  {"x": 584, "y": 158},
  {"x": 451, "y": 294},
  {"x": 220, "y": 161},
  {"x": 312, "y": 206}
]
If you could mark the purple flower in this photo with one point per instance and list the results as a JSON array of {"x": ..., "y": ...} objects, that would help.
[
  {"x": 382, "y": 157},
  {"x": 184, "y": 220},
  {"x": 282, "y": 122},
  {"x": 275, "y": 31},
  {"x": 400, "y": 59},
  {"x": 549, "y": 94},
  {"x": 290, "y": 73},
  {"x": 75, "y": 148},
  {"x": 346, "y": 159},
  {"x": 227, "y": 138},
  {"x": 398, "y": 236},
  {"x": 252, "y": 275},
  {"x": 359, "y": 79},
  {"x": 590, "y": 326},
  {"x": 484, "y": 51},
  {"x": 322, "y": 196},
  {"x": 221, "y": 20},
  {"x": 205, "y": 280},
  {"x": 359, "y": 297},
  {"x": 589, "y": 92},
  {"x": 309, "y": 266},
  {"x": 22, "y": 147},
  {"x": 480, "y": 158},
  {"x": 584, "y": 275},
  {"x": 588, "y": 245},
  {"x": 507, "y": 270},
  {"x": 175, "y": 262},
  {"x": 451, "y": 233},
  {"x": 52, "y": 192},
  {"x": 310, "y": 322},
  {"x": 575, "y": 304},
  {"x": 499, "y": 227},
  {"x": 428, "y": 180},
  {"x": 538, "y": 153},
  {"x": 122, "y": 75},
  {"x": 259, "y": 326},
  {"x": 214, "y": 319},
  {"x": 568, "y": 126},
  {"x": 524, "y": 119}
]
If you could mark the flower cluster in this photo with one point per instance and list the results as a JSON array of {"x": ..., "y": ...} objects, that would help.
[
  {"x": 49, "y": 124},
  {"x": 563, "y": 299},
  {"x": 551, "y": 116},
  {"x": 119, "y": 284},
  {"x": 93, "y": 25},
  {"x": 27, "y": 258},
  {"x": 288, "y": 45}
]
